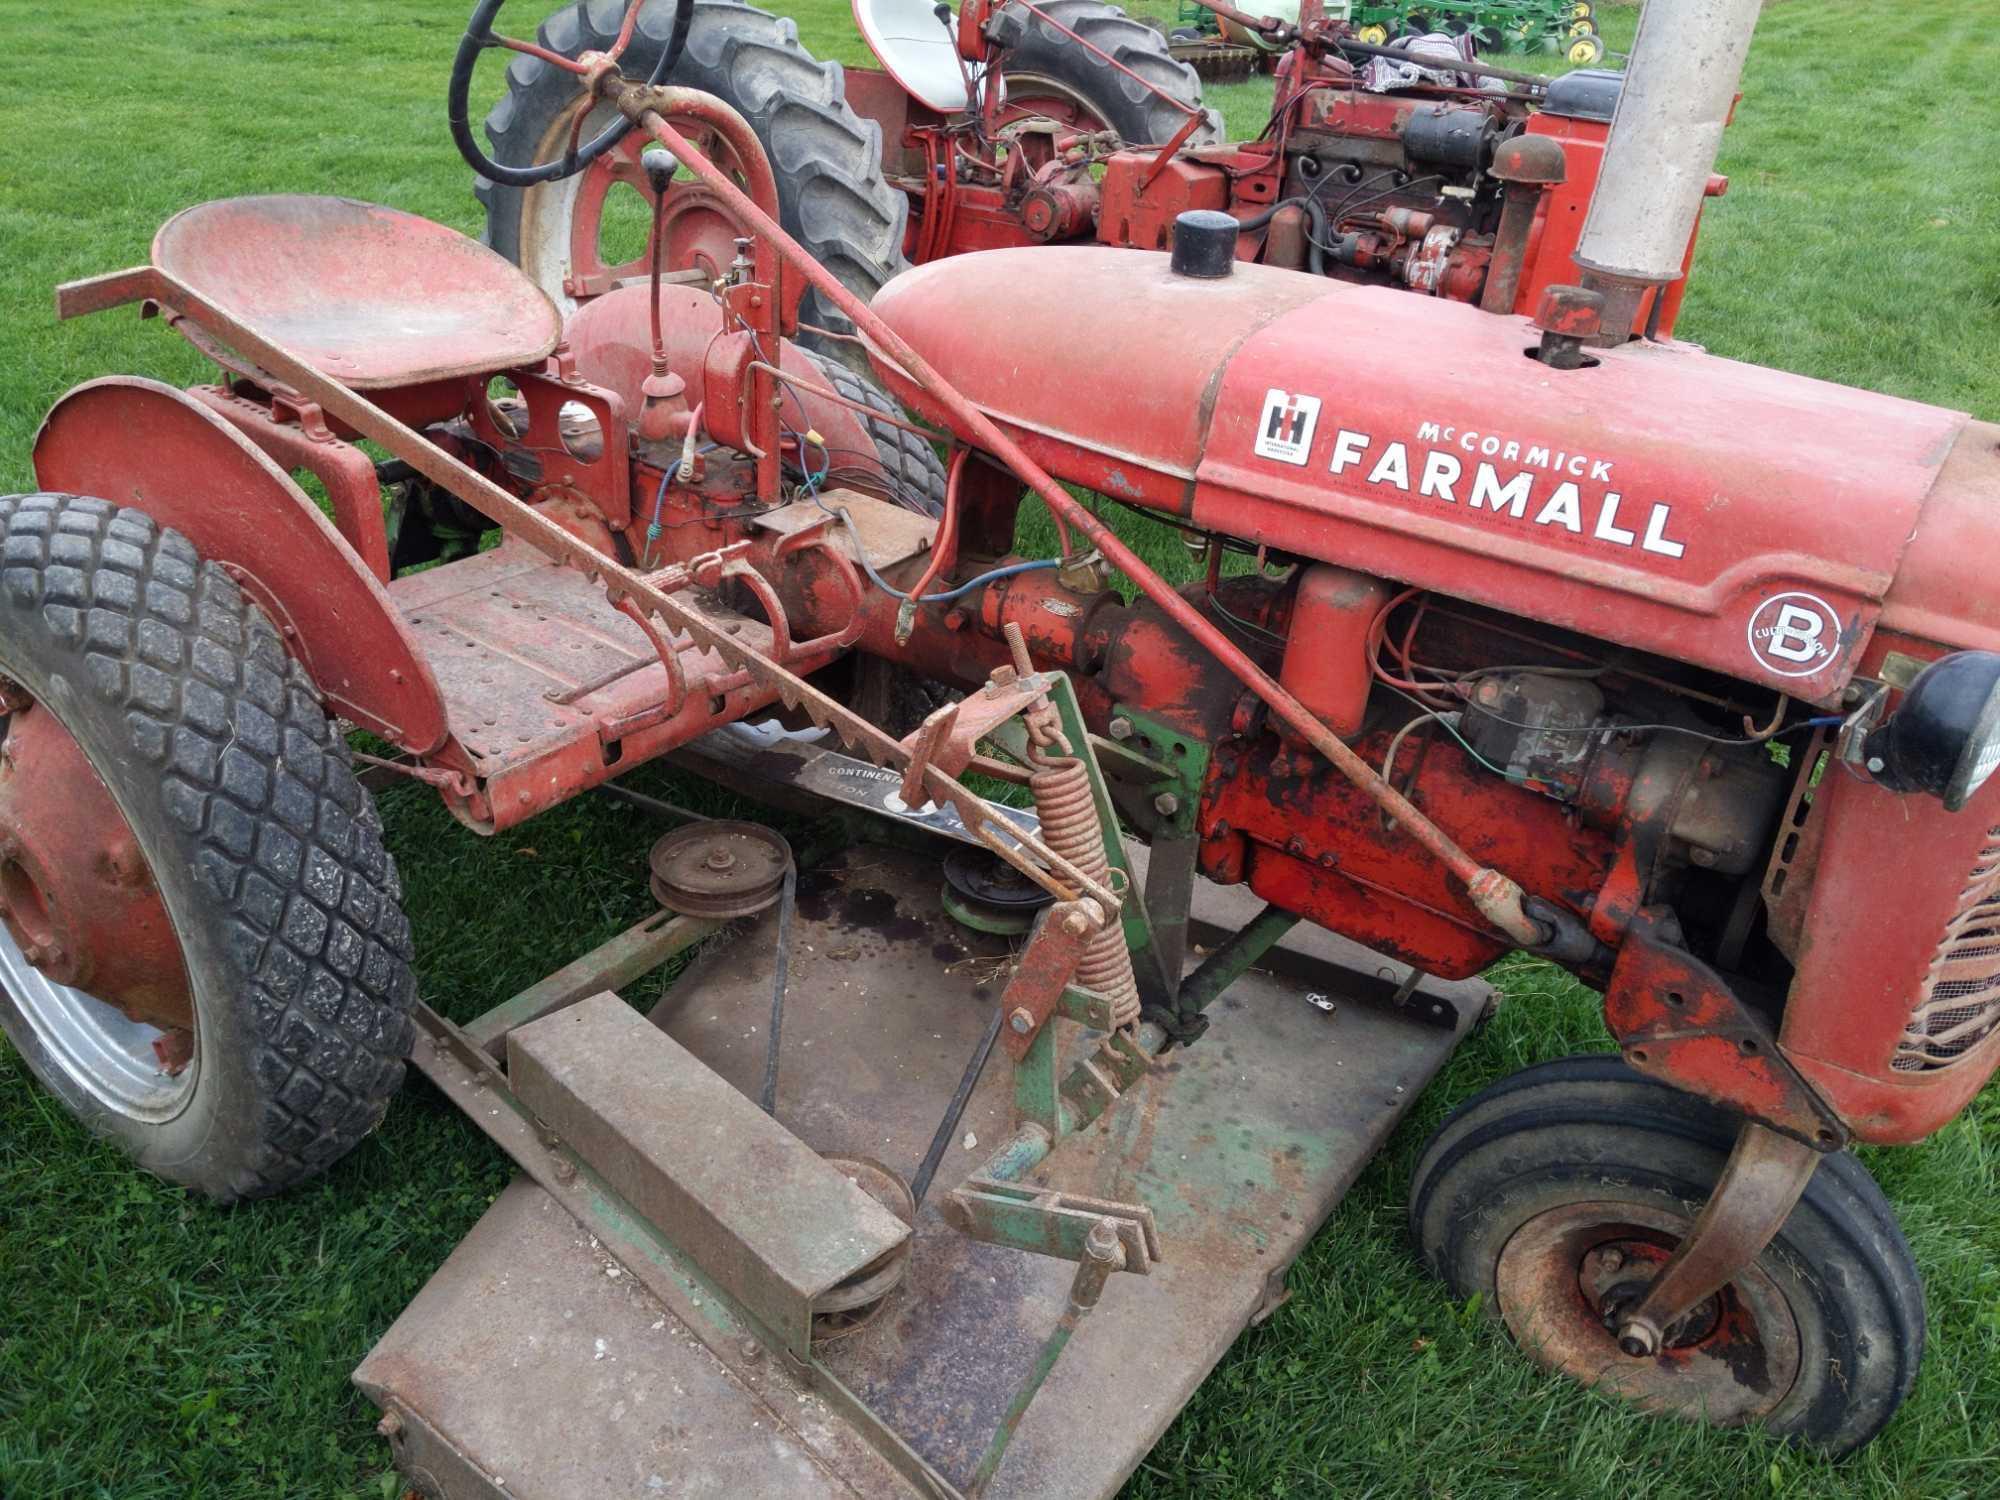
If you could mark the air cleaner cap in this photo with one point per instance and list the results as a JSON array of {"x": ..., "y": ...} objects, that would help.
[{"x": 1204, "y": 244}]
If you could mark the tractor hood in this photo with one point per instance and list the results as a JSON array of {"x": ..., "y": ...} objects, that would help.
[{"x": 1718, "y": 513}]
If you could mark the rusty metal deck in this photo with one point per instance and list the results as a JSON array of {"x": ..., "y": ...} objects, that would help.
[
  {"x": 531, "y": 658},
  {"x": 1243, "y": 1145}
]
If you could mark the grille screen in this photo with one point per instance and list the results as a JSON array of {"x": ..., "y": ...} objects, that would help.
[{"x": 1960, "y": 1002}]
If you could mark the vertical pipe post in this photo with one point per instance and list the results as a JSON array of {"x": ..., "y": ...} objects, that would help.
[{"x": 1686, "y": 63}]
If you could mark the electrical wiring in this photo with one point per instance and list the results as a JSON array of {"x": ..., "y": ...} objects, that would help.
[
  {"x": 1248, "y": 627},
  {"x": 1350, "y": 203},
  {"x": 1229, "y": 544},
  {"x": 1424, "y": 694},
  {"x": 1821, "y": 722},
  {"x": 1378, "y": 629},
  {"x": 1012, "y": 570},
  {"x": 1396, "y": 744},
  {"x": 654, "y": 526},
  {"x": 1442, "y": 720}
]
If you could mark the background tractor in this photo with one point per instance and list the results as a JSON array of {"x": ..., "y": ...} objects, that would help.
[
  {"x": 1025, "y": 123},
  {"x": 1517, "y": 665}
]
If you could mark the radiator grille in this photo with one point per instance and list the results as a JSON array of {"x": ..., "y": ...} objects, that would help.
[{"x": 1959, "y": 1005}]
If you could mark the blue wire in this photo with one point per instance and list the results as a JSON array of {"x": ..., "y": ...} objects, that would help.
[
  {"x": 1011, "y": 570},
  {"x": 653, "y": 527},
  {"x": 992, "y": 576},
  {"x": 659, "y": 499}
]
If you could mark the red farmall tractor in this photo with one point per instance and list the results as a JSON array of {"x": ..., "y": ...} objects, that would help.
[{"x": 1565, "y": 638}]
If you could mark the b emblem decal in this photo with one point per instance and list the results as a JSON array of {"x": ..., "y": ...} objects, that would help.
[{"x": 1794, "y": 634}]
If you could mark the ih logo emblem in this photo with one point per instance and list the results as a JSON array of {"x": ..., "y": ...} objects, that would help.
[
  {"x": 1286, "y": 429},
  {"x": 1794, "y": 635}
]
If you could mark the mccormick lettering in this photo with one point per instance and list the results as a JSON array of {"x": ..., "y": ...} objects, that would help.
[
  {"x": 1528, "y": 483},
  {"x": 1511, "y": 451}
]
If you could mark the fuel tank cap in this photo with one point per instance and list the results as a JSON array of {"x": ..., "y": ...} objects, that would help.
[{"x": 1204, "y": 244}]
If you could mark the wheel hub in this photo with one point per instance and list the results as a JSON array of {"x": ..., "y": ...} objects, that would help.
[
  {"x": 697, "y": 229},
  {"x": 1566, "y": 1278},
  {"x": 76, "y": 895},
  {"x": 1616, "y": 1276}
]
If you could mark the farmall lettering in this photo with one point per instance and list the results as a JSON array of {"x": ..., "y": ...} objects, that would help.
[
  {"x": 1531, "y": 483},
  {"x": 1525, "y": 482}
]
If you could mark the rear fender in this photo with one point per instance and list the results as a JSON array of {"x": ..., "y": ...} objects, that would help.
[{"x": 140, "y": 443}]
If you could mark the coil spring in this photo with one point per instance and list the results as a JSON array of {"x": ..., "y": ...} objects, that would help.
[{"x": 1060, "y": 785}]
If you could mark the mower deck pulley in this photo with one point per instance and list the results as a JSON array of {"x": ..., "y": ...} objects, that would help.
[
  {"x": 985, "y": 893},
  {"x": 719, "y": 869}
]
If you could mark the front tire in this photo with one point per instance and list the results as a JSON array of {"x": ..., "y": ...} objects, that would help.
[
  {"x": 1555, "y": 1195},
  {"x": 264, "y": 850}
]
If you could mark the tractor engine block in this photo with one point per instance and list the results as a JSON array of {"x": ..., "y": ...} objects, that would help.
[
  {"x": 1601, "y": 776},
  {"x": 1407, "y": 188}
]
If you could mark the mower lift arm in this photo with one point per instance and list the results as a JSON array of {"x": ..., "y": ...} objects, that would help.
[{"x": 1496, "y": 896}]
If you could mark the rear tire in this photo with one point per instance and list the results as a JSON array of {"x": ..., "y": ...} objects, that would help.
[
  {"x": 265, "y": 850},
  {"x": 1045, "y": 55},
  {"x": 832, "y": 195},
  {"x": 1821, "y": 1338},
  {"x": 911, "y": 466}
]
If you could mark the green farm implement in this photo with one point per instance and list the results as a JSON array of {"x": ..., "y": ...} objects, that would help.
[{"x": 1566, "y": 27}]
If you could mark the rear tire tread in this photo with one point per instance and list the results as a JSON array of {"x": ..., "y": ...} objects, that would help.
[
  {"x": 910, "y": 462},
  {"x": 1145, "y": 120},
  {"x": 833, "y": 196},
  {"x": 257, "y": 793}
]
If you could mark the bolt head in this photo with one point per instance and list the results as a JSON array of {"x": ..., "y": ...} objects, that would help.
[
  {"x": 1075, "y": 924},
  {"x": 1637, "y": 1340},
  {"x": 391, "y": 1425},
  {"x": 1166, "y": 804},
  {"x": 750, "y": 1349},
  {"x": 1022, "y": 1022},
  {"x": 1121, "y": 729},
  {"x": 1611, "y": 1258}
]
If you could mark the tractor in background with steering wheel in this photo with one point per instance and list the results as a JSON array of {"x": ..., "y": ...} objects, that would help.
[{"x": 1031, "y": 122}]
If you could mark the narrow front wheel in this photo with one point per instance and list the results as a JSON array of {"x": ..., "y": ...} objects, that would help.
[{"x": 1557, "y": 1195}]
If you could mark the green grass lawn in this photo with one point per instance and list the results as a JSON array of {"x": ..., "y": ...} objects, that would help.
[{"x": 154, "y": 1347}]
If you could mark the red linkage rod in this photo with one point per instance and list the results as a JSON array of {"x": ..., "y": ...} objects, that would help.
[{"x": 1496, "y": 896}]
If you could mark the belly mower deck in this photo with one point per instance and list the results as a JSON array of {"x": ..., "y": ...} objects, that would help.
[{"x": 566, "y": 1350}]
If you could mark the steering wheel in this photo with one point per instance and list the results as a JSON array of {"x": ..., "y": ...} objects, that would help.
[{"x": 479, "y": 36}]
